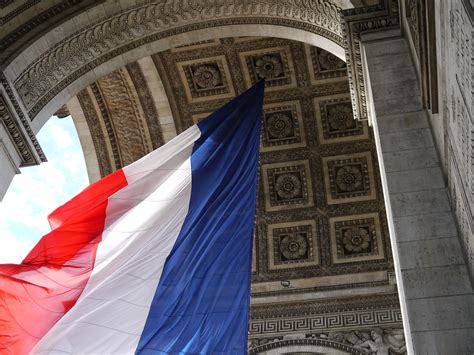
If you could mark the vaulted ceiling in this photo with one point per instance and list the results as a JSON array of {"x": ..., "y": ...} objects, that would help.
[{"x": 322, "y": 257}]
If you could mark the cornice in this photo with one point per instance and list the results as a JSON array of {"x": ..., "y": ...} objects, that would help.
[
  {"x": 357, "y": 21},
  {"x": 26, "y": 145}
]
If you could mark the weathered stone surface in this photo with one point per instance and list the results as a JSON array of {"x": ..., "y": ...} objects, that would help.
[
  {"x": 439, "y": 312},
  {"x": 415, "y": 180},
  {"x": 426, "y": 226},
  {"x": 419, "y": 202},
  {"x": 412, "y": 139},
  {"x": 437, "y": 289},
  {"x": 401, "y": 89},
  {"x": 402, "y": 122},
  {"x": 437, "y": 281},
  {"x": 410, "y": 159},
  {"x": 444, "y": 342},
  {"x": 430, "y": 252}
]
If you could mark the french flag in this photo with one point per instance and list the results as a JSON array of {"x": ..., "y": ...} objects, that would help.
[{"x": 152, "y": 259}]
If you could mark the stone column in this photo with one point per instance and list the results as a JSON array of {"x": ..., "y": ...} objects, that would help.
[{"x": 435, "y": 289}]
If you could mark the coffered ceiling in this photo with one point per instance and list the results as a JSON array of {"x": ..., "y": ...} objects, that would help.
[{"x": 322, "y": 258}]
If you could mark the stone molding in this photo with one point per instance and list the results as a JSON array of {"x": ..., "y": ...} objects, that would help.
[
  {"x": 90, "y": 47},
  {"x": 326, "y": 321},
  {"x": 22, "y": 143},
  {"x": 358, "y": 21},
  {"x": 299, "y": 342},
  {"x": 55, "y": 69}
]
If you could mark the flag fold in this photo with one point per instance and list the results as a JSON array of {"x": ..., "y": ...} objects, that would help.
[{"x": 154, "y": 258}]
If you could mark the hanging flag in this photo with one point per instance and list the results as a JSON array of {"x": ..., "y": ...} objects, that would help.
[{"x": 154, "y": 258}]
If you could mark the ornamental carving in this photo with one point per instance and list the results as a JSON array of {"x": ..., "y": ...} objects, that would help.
[
  {"x": 275, "y": 65},
  {"x": 287, "y": 186},
  {"x": 349, "y": 178},
  {"x": 375, "y": 341},
  {"x": 283, "y": 126},
  {"x": 328, "y": 61},
  {"x": 89, "y": 47},
  {"x": 294, "y": 246},
  {"x": 385, "y": 16},
  {"x": 337, "y": 121},
  {"x": 11, "y": 123},
  {"x": 356, "y": 238},
  {"x": 340, "y": 118},
  {"x": 17, "y": 137},
  {"x": 207, "y": 77},
  {"x": 280, "y": 125},
  {"x": 268, "y": 66}
]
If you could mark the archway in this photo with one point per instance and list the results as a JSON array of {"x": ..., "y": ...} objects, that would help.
[{"x": 61, "y": 63}]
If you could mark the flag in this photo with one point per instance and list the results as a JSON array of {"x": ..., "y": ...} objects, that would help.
[{"x": 154, "y": 258}]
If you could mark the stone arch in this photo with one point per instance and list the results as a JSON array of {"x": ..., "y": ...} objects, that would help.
[
  {"x": 55, "y": 67},
  {"x": 305, "y": 346}
]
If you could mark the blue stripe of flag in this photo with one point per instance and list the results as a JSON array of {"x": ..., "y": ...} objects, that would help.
[{"x": 202, "y": 301}]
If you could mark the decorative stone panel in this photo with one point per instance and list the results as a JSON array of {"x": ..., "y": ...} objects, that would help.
[
  {"x": 275, "y": 65},
  {"x": 206, "y": 79},
  {"x": 356, "y": 238},
  {"x": 324, "y": 66},
  {"x": 107, "y": 37},
  {"x": 196, "y": 45},
  {"x": 335, "y": 120},
  {"x": 254, "y": 253},
  {"x": 282, "y": 126},
  {"x": 349, "y": 178},
  {"x": 325, "y": 321},
  {"x": 287, "y": 185},
  {"x": 292, "y": 245}
]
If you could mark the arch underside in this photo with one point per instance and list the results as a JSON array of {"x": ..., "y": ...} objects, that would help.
[
  {"x": 134, "y": 76},
  {"x": 310, "y": 141}
]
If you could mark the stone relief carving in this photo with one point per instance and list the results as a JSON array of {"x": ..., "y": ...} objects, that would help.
[
  {"x": 283, "y": 126},
  {"x": 206, "y": 78},
  {"x": 268, "y": 66},
  {"x": 293, "y": 240},
  {"x": 337, "y": 120},
  {"x": 290, "y": 134},
  {"x": 147, "y": 104},
  {"x": 356, "y": 238},
  {"x": 91, "y": 46},
  {"x": 376, "y": 341},
  {"x": 385, "y": 15},
  {"x": 293, "y": 245},
  {"x": 275, "y": 65},
  {"x": 98, "y": 137},
  {"x": 287, "y": 185},
  {"x": 126, "y": 117},
  {"x": 12, "y": 126},
  {"x": 381, "y": 342}
]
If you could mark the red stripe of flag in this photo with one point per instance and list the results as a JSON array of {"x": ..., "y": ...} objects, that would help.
[{"x": 35, "y": 294}]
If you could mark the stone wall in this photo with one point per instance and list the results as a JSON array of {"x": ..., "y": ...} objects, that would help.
[
  {"x": 432, "y": 277},
  {"x": 452, "y": 121}
]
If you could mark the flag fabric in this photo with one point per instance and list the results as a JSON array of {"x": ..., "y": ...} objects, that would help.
[{"x": 152, "y": 259}]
